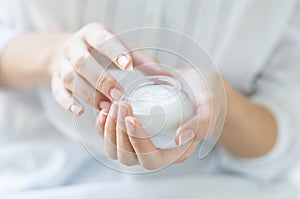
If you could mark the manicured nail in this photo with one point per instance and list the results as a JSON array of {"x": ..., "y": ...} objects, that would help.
[
  {"x": 124, "y": 62},
  {"x": 104, "y": 105},
  {"x": 130, "y": 126},
  {"x": 186, "y": 136},
  {"x": 103, "y": 116},
  {"x": 75, "y": 109},
  {"x": 116, "y": 94}
]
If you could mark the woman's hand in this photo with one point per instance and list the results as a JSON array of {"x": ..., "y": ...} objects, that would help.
[
  {"x": 127, "y": 141},
  {"x": 76, "y": 71}
]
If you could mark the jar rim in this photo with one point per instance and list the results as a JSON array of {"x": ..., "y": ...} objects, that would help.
[{"x": 173, "y": 85}]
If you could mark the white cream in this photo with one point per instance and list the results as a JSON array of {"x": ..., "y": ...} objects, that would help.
[{"x": 160, "y": 104}]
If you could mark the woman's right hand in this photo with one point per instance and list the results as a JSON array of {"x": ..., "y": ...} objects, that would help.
[{"x": 93, "y": 84}]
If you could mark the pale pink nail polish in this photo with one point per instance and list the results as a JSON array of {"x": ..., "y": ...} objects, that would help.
[
  {"x": 124, "y": 62},
  {"x": 116, "y": 94},
  {"x": 104, "y": 105},
  {"x": 186, "y": 136},
  {"x": 75, "y": 109},
  {"x": 102, "y": 116},
  {"x": 129, "y": 121}
]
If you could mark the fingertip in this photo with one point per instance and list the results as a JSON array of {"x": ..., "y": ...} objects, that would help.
[
  {"x": 186, "y": 136},
  {"x": 76, "y": 109},
  {"x": 104, "y": 105},
  {"x": 130, "y": 125},
  {"x": 116, "y": 94},
  {"x": 134, "y": 128},
  {"x": 100, "y": 122},
  {"x": 113, "y": 113},
  {"x": 102, "y": 116},
  {"x": 125, "y": 62},
  {"x": 178, "y": 133}
]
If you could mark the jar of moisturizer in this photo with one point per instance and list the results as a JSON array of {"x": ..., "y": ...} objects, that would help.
[{"x": 160, "y": 105}]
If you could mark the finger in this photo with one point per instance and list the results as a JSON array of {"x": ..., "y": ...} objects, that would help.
[
  {"x": 187, "y": 151},
  {"x": 126, "y": 153},
  {"x": 195, "y": 128},
  {"x": 64, "y": 97},
  {"x": 190, "y": 134},
  {"x": 79, "y": 86},
  {"x": 100, "y": 123},
  {"x": 92, "y": 70},
  {"x": 147, "y": 64},
  {"x": 76, "y": 51},
  {"x": 110, "y": 144},
  {"x": 148, "y": 155},
  {"x": 108, "y": 44}
]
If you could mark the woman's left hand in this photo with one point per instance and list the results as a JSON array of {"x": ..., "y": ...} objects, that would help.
[{"x": 127, "y": 141}]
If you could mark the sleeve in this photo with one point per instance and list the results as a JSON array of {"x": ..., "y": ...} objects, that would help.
[
  {"x": 12, "y": 22},
  {"x": 278, "y": 89}
]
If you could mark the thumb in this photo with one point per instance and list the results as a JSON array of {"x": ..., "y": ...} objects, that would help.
[{"x": 195, "y": 129}]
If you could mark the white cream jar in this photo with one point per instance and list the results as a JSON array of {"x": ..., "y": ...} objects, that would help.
[{"x": 161, "y": 105}]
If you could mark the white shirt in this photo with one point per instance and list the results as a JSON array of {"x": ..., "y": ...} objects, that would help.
[{"x": 255, "y": 43}]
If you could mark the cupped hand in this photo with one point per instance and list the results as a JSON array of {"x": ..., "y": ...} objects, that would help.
[{"x": 127, "y": 141}]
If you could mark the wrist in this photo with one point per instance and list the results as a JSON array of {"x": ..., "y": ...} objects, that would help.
[
  {"x": 234, "y": 110},
  {"x": 249, "y": 129}
]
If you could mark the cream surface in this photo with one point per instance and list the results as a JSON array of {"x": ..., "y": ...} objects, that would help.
[{"x": 161, "y": 108}]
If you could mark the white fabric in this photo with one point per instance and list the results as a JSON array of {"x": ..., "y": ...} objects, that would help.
[{"x": 255, "y": 44}]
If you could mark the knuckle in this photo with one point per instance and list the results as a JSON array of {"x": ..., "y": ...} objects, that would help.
[
  {"x": 79, "y": 61},
  {"x": 101, "y": 35},
  {"x": 68, "y": 78},
  {"x": 89, "y": 98},
  {"x": 97, "y": 26},
  {"x": 70, "y": 52},
  {"x": 105, "y": 83}
]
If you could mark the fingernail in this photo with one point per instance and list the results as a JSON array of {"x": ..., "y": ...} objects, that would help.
[
  {"x": 114, "y": 111},
  {"x": 103, "y": 115},
  {"x": 186, "y": 136},
  {"x": 75, "y": 109},
  {"x": 116, "y": 94},
  {"x": 129, "y": 121},
  {"x": 104, "y": 105},
  {"x": 123, "y": 61}
]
